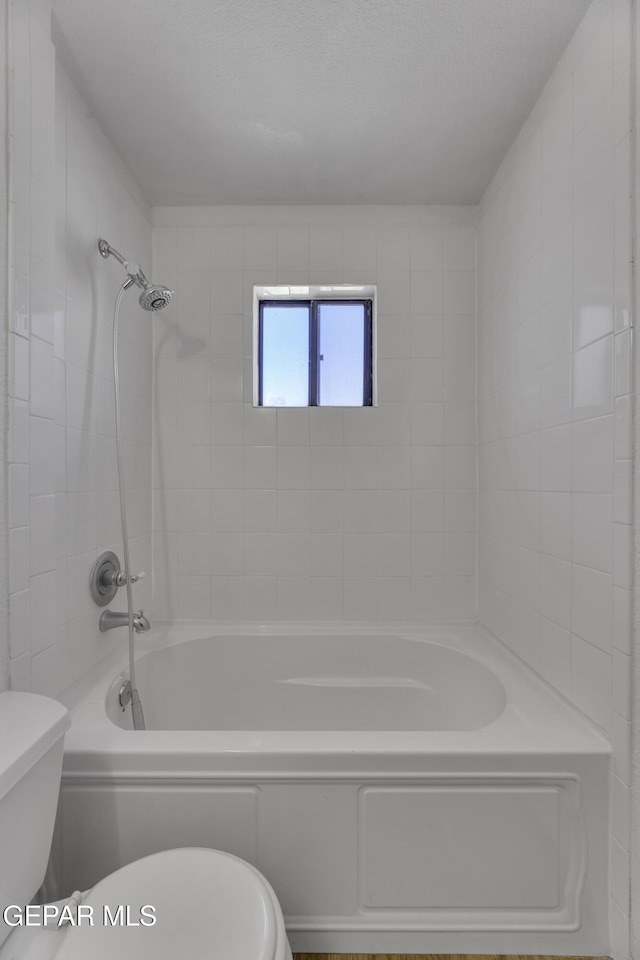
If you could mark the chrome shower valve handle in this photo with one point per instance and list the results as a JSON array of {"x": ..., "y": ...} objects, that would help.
[
  {"x": 120, "y": 578},
  {"x": 107, "y": 576}
]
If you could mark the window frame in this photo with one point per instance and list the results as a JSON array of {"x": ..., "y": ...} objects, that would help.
[
  {"x": 313, "y": 306},
  {"x": 304, "y": 292}
]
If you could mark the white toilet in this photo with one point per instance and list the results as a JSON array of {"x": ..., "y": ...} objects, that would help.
[{"x": 207, "y": 904}]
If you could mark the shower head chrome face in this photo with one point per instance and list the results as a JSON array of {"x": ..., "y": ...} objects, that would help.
[{"x": 155, "y": 297}]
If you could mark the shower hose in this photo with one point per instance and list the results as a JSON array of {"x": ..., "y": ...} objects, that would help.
[{"x": 136, "y": 705}]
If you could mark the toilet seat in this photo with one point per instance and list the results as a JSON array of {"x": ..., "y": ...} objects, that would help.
[{"x": 208, "y": 905}]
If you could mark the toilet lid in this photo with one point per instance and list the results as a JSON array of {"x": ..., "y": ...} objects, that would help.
[{"x": 208, "y": 905}]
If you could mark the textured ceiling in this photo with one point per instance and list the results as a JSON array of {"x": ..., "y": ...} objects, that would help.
[{"x": 313, "y": 101}]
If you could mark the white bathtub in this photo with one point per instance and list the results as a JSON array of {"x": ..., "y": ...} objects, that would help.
[{"x": 410, "y": 791}]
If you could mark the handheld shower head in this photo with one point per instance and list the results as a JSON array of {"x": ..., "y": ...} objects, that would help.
[
  {"x": 152, "y": 297},
  {"x": 155, "y": 297}
]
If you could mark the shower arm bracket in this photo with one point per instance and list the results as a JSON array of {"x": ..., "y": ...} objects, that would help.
[
  {"x": 106, "y": 251},
  {"x": 135, "y": 273}
]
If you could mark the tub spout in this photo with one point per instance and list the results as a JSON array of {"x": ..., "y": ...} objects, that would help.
[{"x": 109, "y": 620}]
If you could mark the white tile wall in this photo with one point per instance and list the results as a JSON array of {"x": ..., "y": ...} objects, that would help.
[
  {"x": 31, "y": 508},
  {"x": 312, "y": 514},
  {"x": 554, "y": 398},
  {"x": 96, "y": 197},
  {"x": 68, "y": 188},
  {"x": 5, "y": 479},
  {"x": 622, "y": 660}
]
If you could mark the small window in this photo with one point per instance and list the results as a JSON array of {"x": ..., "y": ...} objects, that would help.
[{"x": 316, "y": 353}]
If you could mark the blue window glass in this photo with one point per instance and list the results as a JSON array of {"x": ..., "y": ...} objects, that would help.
[
  {"x": 284, "y": 374},
  {"x": 315, "y": 353},
  {"x": 341, "y": 361}
]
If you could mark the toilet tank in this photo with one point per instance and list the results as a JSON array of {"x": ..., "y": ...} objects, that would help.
[{"x": 32, "y": 730}]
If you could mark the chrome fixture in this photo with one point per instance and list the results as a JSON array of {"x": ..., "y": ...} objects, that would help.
[
  {"x": 109, "y": 620},
  {"x": 153, "y": 296},
  {"x": 128, "y": 694},
  {"x": 106, "y": 576},
  {"x": 124, "y": 696}
]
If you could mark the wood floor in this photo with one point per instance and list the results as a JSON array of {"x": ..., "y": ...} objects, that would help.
[{"x": 425, "y": 956}]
